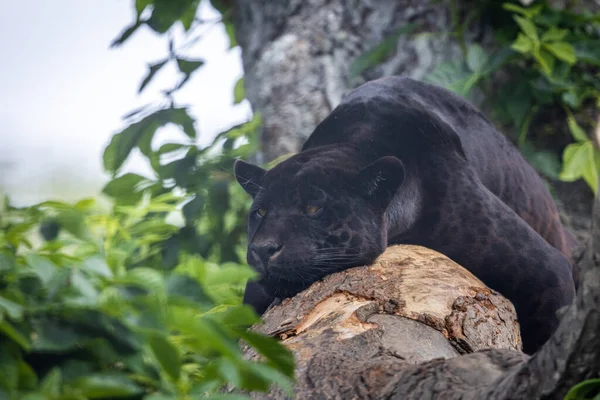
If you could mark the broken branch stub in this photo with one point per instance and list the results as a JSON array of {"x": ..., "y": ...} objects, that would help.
[{"x": 410, "y": 306}]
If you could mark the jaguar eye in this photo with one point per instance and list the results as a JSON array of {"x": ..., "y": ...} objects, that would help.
[
  {"x": 261, "y": 212},
  {"x": 310, "y": 210}
]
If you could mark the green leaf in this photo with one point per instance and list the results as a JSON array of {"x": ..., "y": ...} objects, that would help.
[
  {"x": 189, "y": 66},
  {"x": 7, "y": 261},
  {"x": 279, "y": 355},
  {"x": 546, "y": 62},
  {"x": 9, "y": 373},
  {"x": 554, "y": 34},
  {"x": 563, "y": 51},
  {"x": 141, "y": 133},
  {"x": 166, "y": 354},
  {"x": 192, "y": 210},
  {"x": 272, "y": 375},
  {"x": 529, "y": 12},
  {"x": 152, "y": 70},
  {"x": 43, "y": 268},
  {"x": 238, "y": 91},
  {"x": 127, "y": 32},
  {"x": 586, "y": 390},
  {"x": 97, "y": 266},
  {"x": 184, "y": 286},
  {"x": 14, "y": 310},
  {"x": 498, "y": 59},
  {"x": 50, "y": 385},
  {"x": 140, "y": 6},
  {"x": 587, "y": 51},
  {"x": 170, "y": 147},
  {"x": 73, "y": 221},
  {"x": 15, "y": 335},
  {"x": 575, "y": 158},
  {"x": 230, "y": 31},
  {"x": 52, "y": 336},
  {"x": 477, "y": 58},
  {"x": 523, "y": 44},
  {"x": 167, "y": 12},
  {"x": 378, "y": 53},
  {"x": 27, "y": 377},
  {"x": 576, "y": 130},
  {"x": 106, "y": 385},
  {"x": 123, "y": 188},
  {"x": 527, "y": 27}
]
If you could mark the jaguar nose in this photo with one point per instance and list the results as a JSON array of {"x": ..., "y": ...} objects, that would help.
[{"x": 264, "y": 252}]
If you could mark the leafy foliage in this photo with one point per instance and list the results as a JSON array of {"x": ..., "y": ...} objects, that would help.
[
  {"x": 547, "y": 60},
  {"x": 142, "y": 300},
  {"x": 94, "y": 313},
  {"x": 550, "y": 58}
]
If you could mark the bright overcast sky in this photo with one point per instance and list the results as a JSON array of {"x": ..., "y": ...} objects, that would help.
[{"x": 63, "y": 91}]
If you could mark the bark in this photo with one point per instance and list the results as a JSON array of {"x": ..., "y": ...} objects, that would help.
[{"x": 296, "y": 55}]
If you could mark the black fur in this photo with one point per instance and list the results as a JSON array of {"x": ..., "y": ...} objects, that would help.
[{"x": 400, "y": 161}]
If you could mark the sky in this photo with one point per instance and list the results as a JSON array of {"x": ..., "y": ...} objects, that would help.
[{"x": 63, "y": 92}]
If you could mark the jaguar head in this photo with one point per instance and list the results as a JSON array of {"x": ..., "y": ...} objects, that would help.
[{"x": 316, "y": 214}]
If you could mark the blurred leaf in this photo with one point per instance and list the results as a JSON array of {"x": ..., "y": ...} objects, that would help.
[
  {"x": 106, "y": 385},
  {"x": 14, "y": 310},
  {"x": 380, "y": 52},
  {"x": 188, "y": 66},
  {"x": 230, "y": 30},
  {"x": 281, "y": 357},
  {"x": 123, "y": 188},
  {"x": 576, "y": 130},
  {"x": 238, "y": 91},
  {"x": 554, "y": 34},
  {"x": 167, "y": 12},
  {"x": 477, "y": 58},
  {"x": 183, "y": 286},
  {"x": 15, "y": 335},
  {"x": 73, "y": 221},
  {"x": 563, "y": 51},
  {"x": 523, "y": 44},
  {"x": 126, "y": 34},
  {"x": 193, "y": 209},
  {"x": 587, "y": 50},
  {"x": 140, "y": 5},
  {"x": 166, "y": 354},
  {"x": 575, "y": 158},
  {"x": 96, "y": 265},
  {"x": 50, "y": 385},
  {"x": 527, "y": 27},
  {"x": 141, "y": 133},
  {"x": 546, "y": 61},
  {"x": 498, "y": 59},
  {"x": 590, "y": 172},
  {"x": 152, "y": 70},
  {"x": 7, "y": 261},
  {"x": 529, "y": 12},
  {"x": 586, "y": 390},
  {"x": 44, "y": 268}
]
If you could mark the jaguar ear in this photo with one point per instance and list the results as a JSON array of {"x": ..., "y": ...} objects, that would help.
[
  {"x": 379, "y": 181},
  {"x": 249, "y": 176}
]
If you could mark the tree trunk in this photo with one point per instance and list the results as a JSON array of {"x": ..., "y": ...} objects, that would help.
[{"x": 297, "y": 54}]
